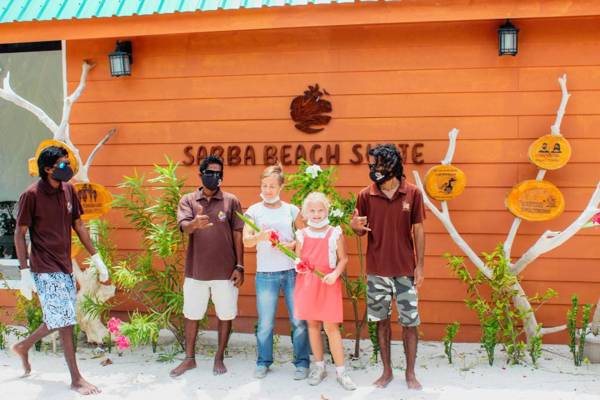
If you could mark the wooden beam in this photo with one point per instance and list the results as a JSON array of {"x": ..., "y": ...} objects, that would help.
[{"x": 408, "y": 11}]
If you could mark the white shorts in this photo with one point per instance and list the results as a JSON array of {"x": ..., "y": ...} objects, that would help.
[{"x": 196, "y": 294}]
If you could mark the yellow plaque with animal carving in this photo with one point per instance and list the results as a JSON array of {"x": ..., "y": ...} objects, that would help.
[
  {"x": 550, "y": 152},
  {"x": 535, "y": 201},
  {"x": 95, "y": 199},
  {"x": 445, "y": 182}
]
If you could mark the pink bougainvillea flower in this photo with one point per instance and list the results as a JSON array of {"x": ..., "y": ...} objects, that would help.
[
  {"x": 114, "y": 325},
  {"x": 274, "y": 238},
  {"x": 122, "y": 342},
  {"x": 596, "y": 219}
]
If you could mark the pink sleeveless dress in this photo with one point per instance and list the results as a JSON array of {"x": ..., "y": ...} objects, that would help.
[{"x": 314, "y": 300}]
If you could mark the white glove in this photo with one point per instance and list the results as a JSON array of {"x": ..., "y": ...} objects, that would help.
[
  {"x": 27, "y": 285},
  {"x": 100, "y": 267}
]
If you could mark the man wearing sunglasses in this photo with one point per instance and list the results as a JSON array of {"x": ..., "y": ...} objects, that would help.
[
  {"x": 214, "y": 266},
  {"x": 49, "y": 209},
  {"x": 391, "y": 211}
]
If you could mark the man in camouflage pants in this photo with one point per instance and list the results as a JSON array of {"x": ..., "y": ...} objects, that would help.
[{"x": 391, "y": 211}]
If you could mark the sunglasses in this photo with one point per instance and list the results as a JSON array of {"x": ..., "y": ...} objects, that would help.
[
  {"x": 62, "y": 164},
  {"x": 209, "y": 172}
]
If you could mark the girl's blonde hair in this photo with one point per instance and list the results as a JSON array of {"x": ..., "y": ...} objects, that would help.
[
  {"x": 315, "y": 197},
  {"x": 276, "y": 170}
]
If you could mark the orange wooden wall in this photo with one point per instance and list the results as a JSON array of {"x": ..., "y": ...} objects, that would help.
[{"x": 407, "y": 83}]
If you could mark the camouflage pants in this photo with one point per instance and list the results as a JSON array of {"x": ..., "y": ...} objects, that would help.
[{"x": 380, "y": 292}]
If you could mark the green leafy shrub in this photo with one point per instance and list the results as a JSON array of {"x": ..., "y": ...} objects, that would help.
[
  {"x": 451, "y": 331},
  {"x": 152, "y": 278},
  {"x": 577, "y": 336},
  {"x": 500, "y": 320}
]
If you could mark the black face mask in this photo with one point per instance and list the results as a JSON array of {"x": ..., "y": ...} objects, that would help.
[
  {"x": 62, "y": 172},
  {"x": 211, "y": 181},
  {"x": 380, "y": 177}
]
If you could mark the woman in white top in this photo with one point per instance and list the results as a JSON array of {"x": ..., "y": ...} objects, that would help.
[{"x": 275, "y": 272}]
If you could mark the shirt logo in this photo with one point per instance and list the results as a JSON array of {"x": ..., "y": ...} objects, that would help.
[
  {"x": 69, "y": 207},
  {"x": 222, "y": 216},
  {"x": 405, "y": 206}
]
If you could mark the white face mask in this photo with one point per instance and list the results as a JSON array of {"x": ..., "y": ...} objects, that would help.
[
  {"x": 272, "y": 200},
  {"x": 319, "y": 224}
]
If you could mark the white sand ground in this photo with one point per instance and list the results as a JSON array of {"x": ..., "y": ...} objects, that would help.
[{"x": 137, "y": 375}]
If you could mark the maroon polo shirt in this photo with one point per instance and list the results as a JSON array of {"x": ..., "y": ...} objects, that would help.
[
  {"x": 211, "y": 252},
  {"x": 50, "y": 215},
  {"x": 391, "y": 250}
]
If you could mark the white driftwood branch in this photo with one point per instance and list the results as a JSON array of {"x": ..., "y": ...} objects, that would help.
[
  {"x": 530, "y": 324},
  {"x": 8, "y": 94},
  {"x": 63, "y": 130},
  {"x": 553, "y": 329},
  {"x": 555, "y": 129},
  {"x": 596, "y": 319},
  {"x": 444, "y": 217},
  {"x": 82, "y": 174},
  {"x": 551, "y": 240},
  {"x": 451, "y": 147},
  {"x": 508, "y": 243}
]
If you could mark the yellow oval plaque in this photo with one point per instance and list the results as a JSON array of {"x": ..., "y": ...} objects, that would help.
[
  {"x": 535, "y": 201},
  {"x": 550, "y": 152},
  {"x": 445, "y": 182},
  {"x": 94, "y": 198},
  {"x": 32, "y": 162}
]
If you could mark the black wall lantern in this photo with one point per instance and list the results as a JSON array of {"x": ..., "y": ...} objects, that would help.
[
  {"x": 121, "y": 59},
  {"x": 508, "y": 36}
]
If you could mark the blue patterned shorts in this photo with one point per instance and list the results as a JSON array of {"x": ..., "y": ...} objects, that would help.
[{"x": 58, "y": 296}]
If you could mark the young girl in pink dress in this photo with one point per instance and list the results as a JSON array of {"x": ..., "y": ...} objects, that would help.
[{"x": 319, "y": 300}]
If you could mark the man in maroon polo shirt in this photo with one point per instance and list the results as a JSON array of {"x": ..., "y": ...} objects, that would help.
[
  {"x": 214, "y": 266},
  {"x": 49, "y": 209},
  {"x": 391, "y": 211}
]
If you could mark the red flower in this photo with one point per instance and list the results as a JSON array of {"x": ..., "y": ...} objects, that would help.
[
  {"x": 274, "y": 238},
  {"x": 596, "y": 219},
  {"x": 304, "y": 266}
]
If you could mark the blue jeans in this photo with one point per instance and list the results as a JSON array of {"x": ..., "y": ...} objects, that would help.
[{"x": 268, "y": 286}]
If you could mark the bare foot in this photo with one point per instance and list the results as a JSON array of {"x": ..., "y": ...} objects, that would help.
[
  {"x": 20, "y": 351},
  {"x": 412, "y": 383},
  {"x": 384, "y": 379},
  {"x": 219, "y": 367},
  {"x": 85, "y": 388},
  {"x": 186, "y": 365}
]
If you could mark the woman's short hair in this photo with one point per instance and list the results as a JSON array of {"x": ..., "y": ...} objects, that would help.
[
  {"x": 276, "y": 170},
  {"x": 314, "y": 197}
]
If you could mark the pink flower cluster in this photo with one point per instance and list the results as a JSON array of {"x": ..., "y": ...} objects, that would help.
[
  {"x": 114, "y": 328},
  {"x": 596, "y": 219}
]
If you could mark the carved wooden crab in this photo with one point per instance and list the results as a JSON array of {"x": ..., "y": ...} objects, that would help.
[{"x": 309, "y": 109}]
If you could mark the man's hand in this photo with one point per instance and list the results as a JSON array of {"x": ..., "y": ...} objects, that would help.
[
  {"x": 27, "y": 285},
  {"x": 201, "y": 221},
  {"x": 237, "y": 277},
  {"x": 358, "y": 223},
  {"x": 419, "y": 276},
  {"x": 100, "y": 267}
]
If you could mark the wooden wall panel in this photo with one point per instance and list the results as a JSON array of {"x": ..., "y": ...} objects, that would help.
[{"x": 407, "y": 83}]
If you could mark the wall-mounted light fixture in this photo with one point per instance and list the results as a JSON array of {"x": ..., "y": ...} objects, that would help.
[
  {"x": 121, "y": 59},
  {"x": 508, "y": 36}
]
